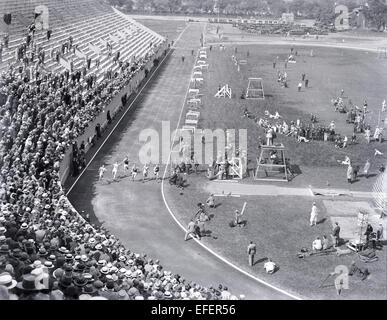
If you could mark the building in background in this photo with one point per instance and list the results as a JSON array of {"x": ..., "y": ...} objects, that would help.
[{"x": 288, "y": 17}]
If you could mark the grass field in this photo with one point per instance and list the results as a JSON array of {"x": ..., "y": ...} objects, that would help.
[
  {"x": 328, "y": 72},
  {"x": 280, "y": 228},
  {"x": 279, "y": 225}
]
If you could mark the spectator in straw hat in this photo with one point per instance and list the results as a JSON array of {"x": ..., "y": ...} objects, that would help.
[{"x": 7, "y": 281}]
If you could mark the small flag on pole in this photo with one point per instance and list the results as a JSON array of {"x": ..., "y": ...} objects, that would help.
[{"x": 243, "y": 208}]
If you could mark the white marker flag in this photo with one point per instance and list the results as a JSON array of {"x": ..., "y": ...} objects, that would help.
[{"x": 243, "y": 208}]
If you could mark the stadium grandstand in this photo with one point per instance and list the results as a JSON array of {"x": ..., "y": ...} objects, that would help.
[
  {"x": 91, "y": 26},
  {"x": 62, "y": 64}
]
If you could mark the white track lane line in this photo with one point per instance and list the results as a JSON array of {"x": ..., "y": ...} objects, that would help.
[
  {"x": 180, "y": 35},
  {"x": 197, "y": 241}
]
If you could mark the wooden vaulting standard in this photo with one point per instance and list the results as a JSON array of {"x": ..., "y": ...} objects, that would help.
[{"x": 272, "y": 163}]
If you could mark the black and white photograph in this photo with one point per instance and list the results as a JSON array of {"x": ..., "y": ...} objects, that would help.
[{"x": 219, "y": 151}]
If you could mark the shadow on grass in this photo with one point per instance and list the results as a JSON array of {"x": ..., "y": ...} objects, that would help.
[
  {"x": 241, "y": 224},
  {"x": 328, "y": 285},
  {"x": 276, "y": 269},
  {"x": 321, "y": 221},
  {"x": 371, "y": 175},
  {"x": 295, "y": 169},
  {"x": 342, "y": 241},
  {"x": 260, "y": 260},
  {"x": 206, "y": 233}
]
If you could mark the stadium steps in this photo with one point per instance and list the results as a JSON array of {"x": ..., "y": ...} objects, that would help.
[
  {"x": 89, "y": 23},
  {"x": 126, "y": 54},
  {"x": 94, "y": 35},
  {"x": 58, "y": 16},
  {"x": 40, "y": 37}
]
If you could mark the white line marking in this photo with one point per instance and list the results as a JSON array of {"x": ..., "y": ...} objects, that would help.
[
  {"x": 179, "y": 37},
  {"x": 197, "y": 241},
  {"x": 227, "y": 195},
  {"x": 226, "y": 181}
]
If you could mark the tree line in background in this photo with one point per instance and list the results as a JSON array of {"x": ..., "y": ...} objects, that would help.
[{"x": 375, "y": 11}]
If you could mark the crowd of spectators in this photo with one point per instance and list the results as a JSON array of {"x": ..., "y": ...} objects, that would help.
[
  {"x": 300, "y": 131},
  {"x": 47, "y": 250},
  {"x": 312, "y": 131}
]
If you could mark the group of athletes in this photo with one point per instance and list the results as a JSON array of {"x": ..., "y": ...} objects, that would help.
[{"x": 133, "y": 171}]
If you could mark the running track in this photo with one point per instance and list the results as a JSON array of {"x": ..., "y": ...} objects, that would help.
[{"x": 134, "y": 211}]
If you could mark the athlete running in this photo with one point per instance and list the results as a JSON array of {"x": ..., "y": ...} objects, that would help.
[
  {"x": 101, "y": 171},
  {"x": 134, "y": 172},
  {"x": 156, "y": 172},
  {"x": 115, "y": 170},
  {"x": 145, "y": 171},
  {"x": 126, "y": 163}
]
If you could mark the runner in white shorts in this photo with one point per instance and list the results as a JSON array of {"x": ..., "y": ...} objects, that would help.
[
  {"x": 101, "y": 171},
  {"x": 115, "y": 170},
  {"x": 134, "y": 172},
  {"x": 145, "y": 171}
]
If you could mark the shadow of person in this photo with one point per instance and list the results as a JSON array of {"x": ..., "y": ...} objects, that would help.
[
  {"x": 206, "y": 233},
  {"x": 260, "y": 260},
  {"x": 275, "y": 269},
  {"x": 341, "y": 242},
  {"x": 321, "y": 221},
  {"x": 243, "y": 223}
]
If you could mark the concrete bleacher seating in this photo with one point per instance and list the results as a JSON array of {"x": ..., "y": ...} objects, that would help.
[{"x": 86, "y": 21}]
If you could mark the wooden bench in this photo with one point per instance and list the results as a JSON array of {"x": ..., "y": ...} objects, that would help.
[
  {"x": 193, "y": 92},
  {"x": 194, "y": 101},
  {"x": 191, "y": 122}
]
